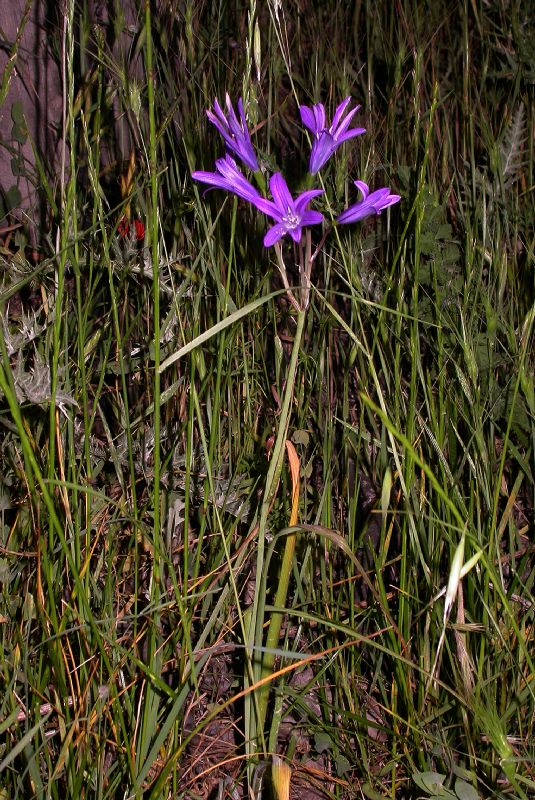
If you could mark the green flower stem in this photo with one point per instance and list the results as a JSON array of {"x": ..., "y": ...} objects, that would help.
[
  {"x": 281, "y": 595},
  {"x": 152, "y": 698},
  {"x": 260, "y": 180},
  {"x": 272, "y": 479}
]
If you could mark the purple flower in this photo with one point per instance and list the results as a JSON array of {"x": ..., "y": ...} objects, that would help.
[
  {"x": 290, "y": 215},
  {"x": 234, "y": 132},
  {"x": 372, "y": 203},
  {"x": 326, "y": 140},
  {"x": 228, "y": 177}
]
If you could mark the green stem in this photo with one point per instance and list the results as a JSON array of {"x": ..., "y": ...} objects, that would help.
[
  {"x": 272, "y": 479},
  {"x": 152, "y": 699},
  {"x": 281, "y": 595}
]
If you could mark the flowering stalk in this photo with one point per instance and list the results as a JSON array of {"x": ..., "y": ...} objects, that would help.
[{"x": 292, "y": 217}]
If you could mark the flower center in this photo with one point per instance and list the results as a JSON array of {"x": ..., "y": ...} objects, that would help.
[{"x": 291, "y": 220}]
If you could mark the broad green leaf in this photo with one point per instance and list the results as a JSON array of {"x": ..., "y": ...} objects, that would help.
[{"x": 465, "y": 791}]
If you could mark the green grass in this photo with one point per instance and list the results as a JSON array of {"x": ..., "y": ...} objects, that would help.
[{"x": 147, "y": 393}]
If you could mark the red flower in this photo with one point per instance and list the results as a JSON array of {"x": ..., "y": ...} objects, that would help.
[
  {"x": 123, "y": 229},
  {"x": 140, "y": 230}
]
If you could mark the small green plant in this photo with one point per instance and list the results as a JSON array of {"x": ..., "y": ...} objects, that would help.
[{"x": 432, "y": 783}]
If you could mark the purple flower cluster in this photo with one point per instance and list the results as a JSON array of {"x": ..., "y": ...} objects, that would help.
[{"x": 290, "y": 215}]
